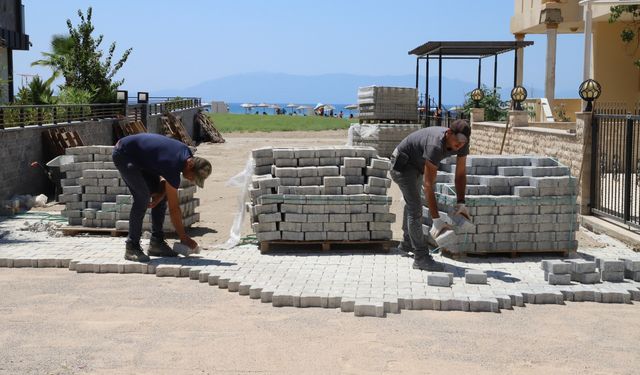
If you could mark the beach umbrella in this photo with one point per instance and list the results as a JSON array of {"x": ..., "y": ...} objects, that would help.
[
  {"x": 262, "y": 105},
  {"x": 351, "y": 106},
  {"x": 304, "y": 108},
  {"x": 291, "y": 106},
  {"x": 329, "y": 107},
  {"x": 318, "y": 106},
  {"x": 247, "y": 106}
]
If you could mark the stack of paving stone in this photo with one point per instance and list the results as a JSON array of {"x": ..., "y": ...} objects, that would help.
[
  {"x": 517, "y": 204},
  {"x": 556, "y": 272},
  {"x": 584, "y": 271},
  {"x": 379, "y": 103},
  {"x": 320, "y": 194},
  {"x": 611, "y": 269},
  {"x": 632, "y": 268},
  {"x": 383, "y": 137},
  {"x": 95, "y": 196}
]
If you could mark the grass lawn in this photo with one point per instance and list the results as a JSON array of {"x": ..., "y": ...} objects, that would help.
[{"x": 227, "y": 123}]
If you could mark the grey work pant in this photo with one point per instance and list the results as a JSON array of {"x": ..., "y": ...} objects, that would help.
[{"x": 410, "y": 182}]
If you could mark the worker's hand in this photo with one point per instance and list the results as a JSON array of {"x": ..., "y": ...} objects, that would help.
[
  {"x": 439, "y": 226},
  {"x": 461, "y": 209},
  {"x": 155, "y": 199},
  {"x": 188, "y": 241}
]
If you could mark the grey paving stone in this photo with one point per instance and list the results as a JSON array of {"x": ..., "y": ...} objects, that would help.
[
  {"x": 475, "y": 277},
  {"x": 612, "y": 276},
  {"x": 558, "y": 279},
  {"x": 439, "y": 279}
]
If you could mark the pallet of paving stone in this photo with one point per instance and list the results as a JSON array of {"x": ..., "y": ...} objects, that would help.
[
  {"x": 360, "y": 246},
  {"x": 59, "y": 139},
  {"x": 73, "y": 230},
  {"x": 511, "y": 254},
  {"x": 172, "y": 127}
]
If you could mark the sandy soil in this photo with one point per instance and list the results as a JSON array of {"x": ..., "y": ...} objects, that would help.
[{"x": 60, "y": 322}]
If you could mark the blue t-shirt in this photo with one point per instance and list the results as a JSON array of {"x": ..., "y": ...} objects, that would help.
[{"x": 157, "y": 154}]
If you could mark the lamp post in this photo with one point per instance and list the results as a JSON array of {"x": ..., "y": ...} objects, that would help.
[
  {"x": 143, "y": 99},
  {"x": 477, "y": 95},
  {"x": 122, "y": 97},
  {"x": 518, "y": 95},
  {"x": 589, "y": 91}
]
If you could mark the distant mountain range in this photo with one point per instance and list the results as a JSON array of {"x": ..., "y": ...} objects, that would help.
[{"x": 326, "y": 88}]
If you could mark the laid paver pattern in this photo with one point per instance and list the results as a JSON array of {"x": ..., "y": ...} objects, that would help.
[{"x": 365, "y": 284}]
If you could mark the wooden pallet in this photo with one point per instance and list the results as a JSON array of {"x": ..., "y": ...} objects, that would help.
[
  {"x": 57, "y": 140},
  {"x": 124, "y": 128},
  {"x": 378, "y": 246},
  {"x": 172, "y": 127},
  {"x": 211, "y": 134},
  {"x": 511, "y": 254},
  {"x": 71, "y": 230}
]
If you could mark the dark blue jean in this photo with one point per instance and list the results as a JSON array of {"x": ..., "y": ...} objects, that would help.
[{"x": 141, "y": 184}]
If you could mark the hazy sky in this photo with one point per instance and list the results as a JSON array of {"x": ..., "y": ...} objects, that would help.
[{"x": 178, "y": 44}]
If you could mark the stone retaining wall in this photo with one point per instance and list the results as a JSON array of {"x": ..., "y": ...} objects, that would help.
[
  {"x": 570, "y": 149},
  {"x": 20, "y": 146}
]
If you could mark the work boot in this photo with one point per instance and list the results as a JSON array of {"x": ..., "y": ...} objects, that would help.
[
  {"x": 423, "y": 261},
  {"x": 134, "y": 253},
  {"x": 160, "y": 248},
  {"x": 404, "y": 249}
]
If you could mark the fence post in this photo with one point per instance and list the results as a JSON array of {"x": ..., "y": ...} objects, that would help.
[
  {"x": 628, "y": 161},
  {"x": 595, "y": 168},
  {"x": 2, "y": 118}
]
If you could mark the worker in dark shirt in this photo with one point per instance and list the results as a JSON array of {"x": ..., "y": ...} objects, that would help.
[
  {"x": 151, "y": 164},
  {"x": 415, "y": 165}
]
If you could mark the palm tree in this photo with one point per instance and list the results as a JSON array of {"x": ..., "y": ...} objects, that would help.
[{"x": 60, "y": 48}]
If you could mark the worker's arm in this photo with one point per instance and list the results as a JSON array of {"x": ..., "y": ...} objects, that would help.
[
  {"x": 157, "y": 197},
  {"x": 461, "y": 177},
  {"x": 176, "y": 216},
  {"x": 430, "y": 173}
]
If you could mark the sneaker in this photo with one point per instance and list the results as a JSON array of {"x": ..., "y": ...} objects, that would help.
[
  {"x": 426, "y": 263},
  {"x": 134, "y": 253},
  {"x": 405, "y": 251},
  {"x": 160, "y": 248}
]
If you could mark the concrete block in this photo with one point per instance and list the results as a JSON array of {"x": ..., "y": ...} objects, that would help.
[
  {"x": 376, "y": 190},
  {"x": 286, "y": 172},
  {"x": 313, "y": 209},
  {"x": 378, "y": 208},
  {"x": 259, "y": 227},
  {"x": 290, "y": 181},
  {"x": 557, "y": 279},
  {"x": 318, "y": 218},
  {"x": 307, "y": 172},
  {"x": 337, "y": 236},
  {"x": 352, "y": 189},
  {"x": 356, "y": 227},
  {"x": 444, "y": 279},
  {"x": 483, "y": 304},
  {"x": 475, "y": 277},
  {"x": 339, "y": 218},
  {"x": 631, "y": 263},
  {"x": 581, "y": 265},
  {"x": 351, "y": 171},
  {"x": 330, "y": 170},
  {"x": 375, "y": 172},
  {"x": 334, "y": 181},
  {"x": 334, "y": 227},
  {"x": 389, "y": 218},
  {"x": 290, "y": 227},
  {"x": 270, "y": 218},
  {"x": 586, "y": 277},
  {"x": 295, "y": 218},
  {"x": 335, "y": 209},
  {"x": 293, "y": 236},
  {"x": 350, "y": 162},
  {"x": 329, "y": 161},
  {"x": 381, "y": 234},
  {"x": 363, "y": 217},
  {"x": 283, "y": 153},
  {"x": 610, "y": 265},
  {"x": 354, "y": 180},
  {"x": 312, "y": 227},
  {"x": 325, "y": 152},
  {"x": 632, "y": 275},
  {"x": 375, "y": 226},
  {"x": 311, "y": 181},
  {"x": 556, "y": 266},
  {"x": 384, "y": 164},
  {"x": 308, "y": 162},
  {"x": 291, "y": 208},
  {"x": 359, "y": 236},
  {"x": 613, "y": 276},
  {"x": 264, "y": 152},
  {"x": 307, "y": 190}
]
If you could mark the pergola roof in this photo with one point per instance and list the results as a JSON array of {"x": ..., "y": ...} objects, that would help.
[{"x": 467, "y": 49}]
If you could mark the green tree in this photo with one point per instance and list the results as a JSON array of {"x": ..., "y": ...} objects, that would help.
[
  {"x": 60, "y": 49},
  {"x": 37, "y": 92},
  {"x": 84, "y": 67},
  {"x": 631, "y": 30},
  {"x": 494, "y": 107}
]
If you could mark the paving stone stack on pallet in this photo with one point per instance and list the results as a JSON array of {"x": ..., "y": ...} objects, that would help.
[
  {"x": 399, "y": 104},
  {"x": 95, "y": 196},
  {"x": 320, "y": 194},
  {"x": 517, "y": 204},
  {"x": 383, "y": 137}
]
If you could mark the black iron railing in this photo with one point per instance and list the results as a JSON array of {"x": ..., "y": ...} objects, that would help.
[
  {"x": 26, "y": 115},
  {"x": 615, "y": 165}
]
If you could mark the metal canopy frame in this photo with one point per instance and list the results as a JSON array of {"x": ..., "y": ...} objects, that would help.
[{"x": 461, "y": 50}]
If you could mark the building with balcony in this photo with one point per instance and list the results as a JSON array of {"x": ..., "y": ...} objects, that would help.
[{"x": 12, "y": 38}]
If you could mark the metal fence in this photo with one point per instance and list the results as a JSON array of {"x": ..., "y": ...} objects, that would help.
[
  {"x": 26, "y": 115},
  {"x": 615, "y": 183}
]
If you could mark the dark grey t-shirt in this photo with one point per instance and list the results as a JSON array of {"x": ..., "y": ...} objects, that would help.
[{"x": 428, "y": 144}]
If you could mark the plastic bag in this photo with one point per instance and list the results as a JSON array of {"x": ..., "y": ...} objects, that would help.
[{"x": 243, "y": 181}]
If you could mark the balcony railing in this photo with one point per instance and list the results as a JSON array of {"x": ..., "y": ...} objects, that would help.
[{"x": 26, "y": 115}]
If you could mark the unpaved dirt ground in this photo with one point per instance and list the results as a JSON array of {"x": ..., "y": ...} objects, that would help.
[{"x": 59, "y": 322}]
